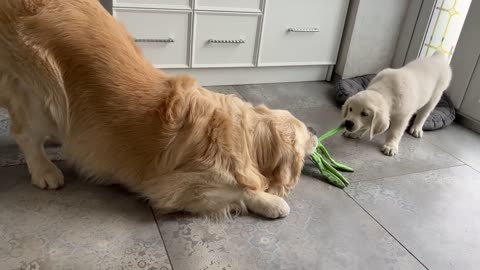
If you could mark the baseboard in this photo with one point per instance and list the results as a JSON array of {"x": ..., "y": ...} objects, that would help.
[
  {"x": 468, "y": 122},
  {"x": 255, "y": 75}
]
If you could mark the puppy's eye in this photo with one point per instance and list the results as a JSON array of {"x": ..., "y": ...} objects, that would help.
[
  {"x": 364, "y": 114},
  {"x": 351, "y": 109}
]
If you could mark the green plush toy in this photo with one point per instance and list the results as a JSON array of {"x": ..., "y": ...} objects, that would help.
[{"x": 327, "y": 165}]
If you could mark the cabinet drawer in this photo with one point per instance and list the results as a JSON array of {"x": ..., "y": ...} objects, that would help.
[
  {"x": 162, "y": 35},
  {"x": 225, "y": 40},
  {"x": 229, "y": 5},
  {"x": 173, "y": 4},
  {"x": 303, "y": 32}
]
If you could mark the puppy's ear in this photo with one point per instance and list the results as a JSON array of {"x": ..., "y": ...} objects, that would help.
[
  {"x": 345, "y": 109},
  {"x": 380, "y": 123}
]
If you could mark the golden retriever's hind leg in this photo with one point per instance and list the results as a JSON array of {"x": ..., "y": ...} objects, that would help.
[
  {"x": 44, "y": 173},
  {"x": 31, "y": 125}
]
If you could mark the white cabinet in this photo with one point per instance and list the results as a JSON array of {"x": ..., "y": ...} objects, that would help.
[
  {"x": 224, "y": 36},
  {"x": 225, "y": 40},
  {"x": 302, "y": 32}
]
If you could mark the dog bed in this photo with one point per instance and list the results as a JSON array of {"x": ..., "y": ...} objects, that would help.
[{"x": 442, "y": 116}]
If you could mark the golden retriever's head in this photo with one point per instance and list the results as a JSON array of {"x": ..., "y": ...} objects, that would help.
[
  {"x": 366, "y": 111},
  {"x": 282, "y": 143}
]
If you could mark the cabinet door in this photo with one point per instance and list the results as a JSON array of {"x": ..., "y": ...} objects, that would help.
[
  {"x": 225, "y": 39},
  {"x": 163, "y": 35},
  {"x": 303, "y": 32}
]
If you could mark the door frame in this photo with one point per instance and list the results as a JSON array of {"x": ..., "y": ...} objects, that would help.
[{"x": 415, "y": 26}]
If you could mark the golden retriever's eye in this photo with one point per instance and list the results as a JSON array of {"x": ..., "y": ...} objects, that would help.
[
  {"x": 351, "y": 109},
  {"x": 364, "y": 114}
]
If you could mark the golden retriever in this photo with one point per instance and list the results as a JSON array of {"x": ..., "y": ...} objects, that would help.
[
  {"x": 70, "y": 72},
  {"x": 394, "y": 96}
]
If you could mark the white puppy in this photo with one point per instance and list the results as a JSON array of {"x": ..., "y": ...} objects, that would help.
[{"x": 394, "y": 96}]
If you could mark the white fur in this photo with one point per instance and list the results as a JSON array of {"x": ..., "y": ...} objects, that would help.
[{"x": 394, "y": 96}]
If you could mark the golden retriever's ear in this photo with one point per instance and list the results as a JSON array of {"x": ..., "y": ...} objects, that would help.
[
  {"x": 174, "y": 104},
  {"x": 380, "y": 122},
  {"x": 267, "y": 145},
  {"x": 286, "y": 174},
  {"x": 250, "y": 178},
  {"x": 32, "y": 7}
]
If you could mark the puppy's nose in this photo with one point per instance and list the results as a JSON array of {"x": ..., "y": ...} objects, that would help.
[
  {"x": 312, "y": 130},
  {"x": 349, "y": 125}
]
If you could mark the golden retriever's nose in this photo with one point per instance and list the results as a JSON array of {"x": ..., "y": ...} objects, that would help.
[
  {"x": 349, "y": 125},
  {"x": 312, "y": 130}
]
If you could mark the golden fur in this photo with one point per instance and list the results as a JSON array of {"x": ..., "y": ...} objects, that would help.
[{"x": 70, "y": 72}]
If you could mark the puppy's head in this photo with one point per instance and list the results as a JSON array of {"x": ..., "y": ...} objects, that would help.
[
  {"x": 282, "y": 143},
  {"x": 366, "y": 111}
]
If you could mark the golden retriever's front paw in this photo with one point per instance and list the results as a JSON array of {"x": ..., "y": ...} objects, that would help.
[
  {"x": 267, "y": 205},
  {"x": 49, "y": 177},
  {"x": 390, "y": 150},
  {"x": 279, "y": 208},
  {"x": 416, "y": 132}
]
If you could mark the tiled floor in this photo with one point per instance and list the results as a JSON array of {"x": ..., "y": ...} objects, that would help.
[{"x": 418, "y": 210}]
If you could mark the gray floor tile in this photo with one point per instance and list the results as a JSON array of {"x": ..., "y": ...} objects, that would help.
[
  {"x": 289, "y": 95},
  {"x": 325, "y": 230},
  {"x": 460, "y": 142},
  {"x": 435, "y": 215},
  {"x": 416, "y": 155},
  {"x": 226, "y": 89},
  {"x": 81, "y": 226}
]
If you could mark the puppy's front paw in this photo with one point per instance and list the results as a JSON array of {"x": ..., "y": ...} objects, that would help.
[
  {"x": 352, "y": 135},
  {"x": 49, "y": 177},
  {"x": 416, "y": 132},
  {"x": 390, "y": 150}
]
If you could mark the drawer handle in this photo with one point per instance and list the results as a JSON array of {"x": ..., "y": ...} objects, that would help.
[
  {"x": 315, "y": 29},
  {"x": 236, "y": 41},
  {"x": 165, "y": 40}
]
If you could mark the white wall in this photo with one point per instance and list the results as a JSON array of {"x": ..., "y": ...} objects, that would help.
[
  {"x": 466, "y": 59},
  {"x": 370, "y": 37}
]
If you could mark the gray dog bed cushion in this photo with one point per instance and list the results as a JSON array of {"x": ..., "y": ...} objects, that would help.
[{"x": 442, "y": 116}]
